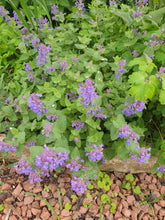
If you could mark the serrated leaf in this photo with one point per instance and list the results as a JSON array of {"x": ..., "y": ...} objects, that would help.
[
  {"x": 119, "y": 121},
  {"x": 162, "y": 96},
  {"x": 35, "y": 151},
  {"x": 137, "y": 77}
]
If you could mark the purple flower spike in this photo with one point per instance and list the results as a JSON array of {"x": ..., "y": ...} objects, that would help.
[
  {"x": 77, "y": 124},
  {"x": 80, "y": 7},
  {"x": 79, "y": 184},
  {"x": 96, "y": 154},
  {"x": 87, "y": 93},
  {"x": 161, "y": 169}
]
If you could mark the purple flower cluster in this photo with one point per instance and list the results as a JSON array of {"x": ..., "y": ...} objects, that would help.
[
  {"x": 75, "y": 59},
  {"x": 143, "y": 155},
  {"x": 31, "y": 143},
  {"x": 131, "y": 109},
  {"x": 3, "y": 12},
  {"x": 142, "y": 2},
  {"x": 137, "y": 14},
  {"x": 97, "y": 113},
  {"x": 113, "y": 2},
  {"x": 54, "y": 11},
  {"x": 126, "y": 131},
  {"x": 80, "y": 7},
  {"x": 35, "y": 104},
  {"x": 42, "y": 22},
  {"x": 79, "y": 184},
  {"x": 155, "y": 41},
  {"x": 43, "y": 50},
  {"x": 16, "y": 18},
  {"x": 7, "y": 147},
  {"x": 52, "y": 117},
  {"x": 77, "y": 124},
  {"x": 27, "y": 67},
  {"x": 87, "y": 93},
  {"x": 134, "y": 53},
  {"x": 75, "y": 164},
  {"x": 47, "y": 130},
  {"x": 120, "y": 70},
  {"x": 96, "y": 153},
  {"x": 63, "y": 65},
  {"x": 35, "y": 43},
  {"x": 100, "y": 48},
  {"x": 161, "y": 168},
  {"x": 50, "y": 160},
  {"x": 23, "y": 166},
  {"x": 161, "y": 71},
  {"x": 71, "y": 96}
]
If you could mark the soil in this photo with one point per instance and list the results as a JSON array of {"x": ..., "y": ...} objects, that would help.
[{"x": 57, "y": 191}]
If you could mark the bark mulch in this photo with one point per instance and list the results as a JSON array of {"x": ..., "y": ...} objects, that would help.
[{"x": 57, "y": 191}]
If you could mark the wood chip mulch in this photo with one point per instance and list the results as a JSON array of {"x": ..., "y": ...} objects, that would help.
[{"x": 26, "y": 207}]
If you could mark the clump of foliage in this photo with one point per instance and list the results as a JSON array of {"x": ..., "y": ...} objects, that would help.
[{"x": 82, "y": 88}]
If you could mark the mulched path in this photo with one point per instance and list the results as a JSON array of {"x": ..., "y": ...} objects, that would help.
[{"x": 27, "y": 207}]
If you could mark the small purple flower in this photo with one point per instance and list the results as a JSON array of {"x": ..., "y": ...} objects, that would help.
[
  {"x": 27, "y": 67},
  {"x": 42, "y": 22},
  {"x": 137, "y": 14},
  {"x": 34, "y": 176},
  {"x": 87, "y": 93},
  {"x": 141, "y": 2},
  {"x": 43, "y": 50},
  {"x": 23, "y": 166},
  {"x": 121, "y": 65},
  {"x": 47, "y": 130},
  {"x": 80, "y": 7},
  {"x": 134, "y": 53},
  {"x": 35, "y": 104},
  {"x": 100, "y": 48},
  {"x": 7, "y": 147},
  {"x": 144, "y": 155},
  {"x": 77, "y": 124},
  {"x": 52, "y": 117},
  {"x": 30, "y": 76},
  {"x": 75, "y": 59},
  {"x": 71, "y": 95},
  {"x": 35, "y": 42},
  {"x": 63, "y": 65},
  {"x": 75, "y": 164},
  {"x": 96, "y": 153},
  {"x": 51, "y": 69},
  {"x": 3, "y": 12},
  {"x": 54, "y": 11},
  {"x": 131, "y": 109},
  {"x": 31, "y": 143},
  {"x": 125, "y": 131},
  {"x": 51, "y": 159},
  {"x": 79, "y": 184},
  {"x": 161, "y": 169},
  {"x": 18, "y": 22},
  {"x": 113, "y": 2}
]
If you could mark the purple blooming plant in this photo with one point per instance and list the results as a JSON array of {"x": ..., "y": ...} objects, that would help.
[
  {"x": 23, "y": 166},
  {"x": 113, "y": 2},
  {"x": 161, "y": 169},
  {"x": 47, "y": 130},
  {"x": 96, "y": 154},
  {"x": 80, "y": 7},
  {"x": 87, "y": 93},
  {"x": 50, "y": 159},
  {"x": 54, "y": 11},
  {"x": 77, "y": 124},
  {"x": 43, "y": 50},
  {"x": 79, "y": 184},
  {"x": 143, "y": 155},
  {"x": 52, "y": 117},
  {"x": 120, "y": 70},
  {"x": 7, "y": 147},
  {"x": 63, "y": 65},
  {"x": 131, "y": 109},
  {"x": 137, "y": 13},
  {"x": 35, "y": 104},
  {"x": 75, "y": 164},
  {"x": 141, "y": 2}
]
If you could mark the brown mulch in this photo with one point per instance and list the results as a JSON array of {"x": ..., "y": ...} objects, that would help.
[{"x": 27, "y": 207}]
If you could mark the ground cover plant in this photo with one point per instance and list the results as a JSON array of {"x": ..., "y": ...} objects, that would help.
[{"x": 80, "y": 88}]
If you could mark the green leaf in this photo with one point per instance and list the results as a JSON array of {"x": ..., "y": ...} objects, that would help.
[
  {"x": 35, "y": 151},
  {"x": 20, "y": 137},
  {"x": 44, "y": 6},
  {"x": 157, "y": 15},
  {"x": 119, "y": 121},
  {"x": 96, "y": 137},
  {"x": 80, "y": 46},
  {"x": 162, "y": 96}
]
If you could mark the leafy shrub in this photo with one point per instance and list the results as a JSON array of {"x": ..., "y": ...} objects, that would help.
[{"x": 84, "y": 88}]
